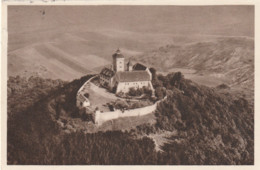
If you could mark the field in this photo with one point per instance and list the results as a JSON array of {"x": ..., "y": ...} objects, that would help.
[{"x": 70, "y": 42}]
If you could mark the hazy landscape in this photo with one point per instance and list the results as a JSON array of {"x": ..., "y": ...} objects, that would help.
[
  {"x": 212, "y": 47},
  {"x": 78, "y": 39}
]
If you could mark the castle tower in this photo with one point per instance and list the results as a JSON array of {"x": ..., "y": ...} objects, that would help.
[
  {"x": 129, "y": 65},
  {"x": 118, "y": 61}
]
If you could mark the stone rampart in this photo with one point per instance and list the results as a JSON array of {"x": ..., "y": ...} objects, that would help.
[{"x": 101, "y": 117}]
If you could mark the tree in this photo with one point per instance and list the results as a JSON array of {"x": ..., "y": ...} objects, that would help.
[
  {"x": 121, "y": 104},
  {"x": 160, "y": 92}
]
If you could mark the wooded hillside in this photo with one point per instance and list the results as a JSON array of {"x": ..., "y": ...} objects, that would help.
[{"x": 212, "y": 128}]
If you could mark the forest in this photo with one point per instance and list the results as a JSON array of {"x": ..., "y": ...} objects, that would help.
[{"x": 213, "y": 128}]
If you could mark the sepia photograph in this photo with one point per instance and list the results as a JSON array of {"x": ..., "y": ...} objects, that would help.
[{"x": 130, "y": 85}]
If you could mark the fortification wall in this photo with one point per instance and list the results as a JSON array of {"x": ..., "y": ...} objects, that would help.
[
  {"x": 80, "y": 97},
  {"x": 106, "y": 116},
  {"x": 100, "y": 118},
  {"x": 82, "y": 87}
]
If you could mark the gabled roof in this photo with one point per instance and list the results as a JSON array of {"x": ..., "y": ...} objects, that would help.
[
  {"x": 132, "y": 76},
  {"x": 107, "y": 72},
  {"x": 139, "y": 66}
]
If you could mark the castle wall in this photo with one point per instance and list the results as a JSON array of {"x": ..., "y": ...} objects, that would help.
[
  {"x": 81, "y": 101},
  {"x": 106, "y": 116}
]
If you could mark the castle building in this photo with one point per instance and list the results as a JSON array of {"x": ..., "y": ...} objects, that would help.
[
  {"x": 121, "y": 79},
  {"x": 118, "y": 61}
]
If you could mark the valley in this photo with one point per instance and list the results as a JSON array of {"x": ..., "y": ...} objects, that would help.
[
  {"x": 228, "y": 60},
  {"x": 69, "y": 45}
]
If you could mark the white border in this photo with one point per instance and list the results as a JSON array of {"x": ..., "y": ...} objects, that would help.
[{"x": 3, "y": 66}]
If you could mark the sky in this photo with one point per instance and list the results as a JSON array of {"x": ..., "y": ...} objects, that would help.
[{"x": 184, "y": 20}]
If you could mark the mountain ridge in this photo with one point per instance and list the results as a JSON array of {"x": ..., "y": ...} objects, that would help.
[{"x": 229, "y": 60}]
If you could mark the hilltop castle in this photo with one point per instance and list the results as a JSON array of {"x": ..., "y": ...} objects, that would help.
[{"x": 121, "y": 79}]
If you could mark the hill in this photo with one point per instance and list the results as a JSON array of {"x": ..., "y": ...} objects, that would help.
[
  {"x": 228, "y": 60},
  {"x": 209, "y": 128},
  {"x": 68, "y": 42}
]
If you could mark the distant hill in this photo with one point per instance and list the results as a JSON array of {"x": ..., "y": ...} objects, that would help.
[
  {"x": 227, "y": 60},
  {"x": 67, "y": 42},
  {"x": 209, "y": 127}
]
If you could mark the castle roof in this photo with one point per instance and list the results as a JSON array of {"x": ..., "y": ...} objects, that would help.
[
  {"x": 107, "y": 72},
  {"x": 139, "y": 66},
  {"x": 132, "y": 76},
  {"x": 118, "y": 54}
]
